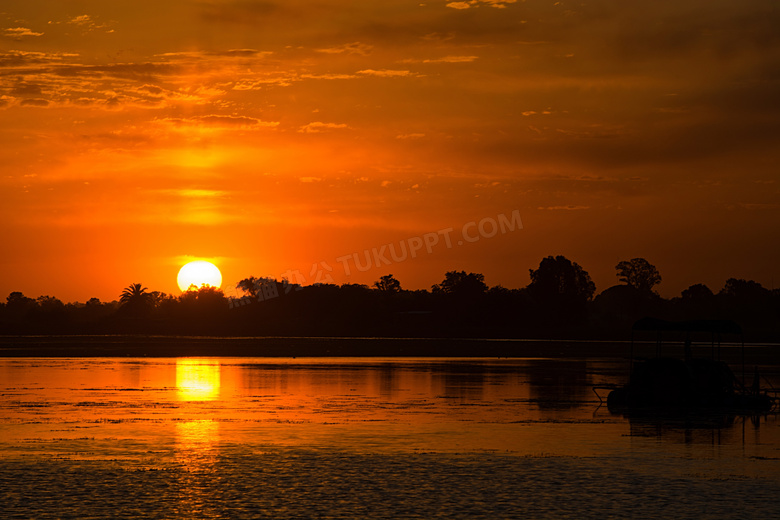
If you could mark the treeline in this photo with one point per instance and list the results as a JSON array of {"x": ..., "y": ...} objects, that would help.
[{"x": 560, "y": 302}]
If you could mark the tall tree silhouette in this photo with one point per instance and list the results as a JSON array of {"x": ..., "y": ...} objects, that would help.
[
  {"x": 744, "y": 290},
  {"x": 639, "y": 274},
  {"x": 749, "y": 303},
  {"x": 460, "y": 283},
  {"x": 249, "y": 286},
  {"x": 388, "y": 284},
  {"x": 136, "y": 300},
  {"x": 697, "y": 292},
  {"x": 697, "y": 302},
  {"x": 135, "y": 292},
  {"x": 257, "y": 288},
  {"x": 562, "y": 284},
  {"x": 19, "y": 306},
  {"x": 460, "y": 301}
]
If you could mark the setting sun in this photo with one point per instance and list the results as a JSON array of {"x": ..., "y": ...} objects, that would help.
[{"x": 199, "y": 273}]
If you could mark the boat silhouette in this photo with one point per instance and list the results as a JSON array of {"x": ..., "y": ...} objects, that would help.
[{"x": 687, "y": 384}]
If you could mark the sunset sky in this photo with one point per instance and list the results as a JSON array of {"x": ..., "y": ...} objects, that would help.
[{"x": 275, "y": 136}]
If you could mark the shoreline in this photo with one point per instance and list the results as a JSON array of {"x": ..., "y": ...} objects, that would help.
[{"x": 271, "y": 346}]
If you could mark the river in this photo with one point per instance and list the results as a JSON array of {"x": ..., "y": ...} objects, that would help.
[{"x": 229, "y": 437}]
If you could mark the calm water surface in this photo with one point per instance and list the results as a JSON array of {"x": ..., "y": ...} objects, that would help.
[{"x": 362, "y": 438}]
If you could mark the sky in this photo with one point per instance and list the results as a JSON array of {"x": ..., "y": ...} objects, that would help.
[{"x": 280, "y": 137}]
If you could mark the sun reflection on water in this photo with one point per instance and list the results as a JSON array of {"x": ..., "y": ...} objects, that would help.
[
  {"x": 197, "y": 379},
  {"x": 197, "y": 440}
]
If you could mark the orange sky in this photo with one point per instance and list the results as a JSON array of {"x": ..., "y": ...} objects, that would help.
[{"x": 270, "y": 136}]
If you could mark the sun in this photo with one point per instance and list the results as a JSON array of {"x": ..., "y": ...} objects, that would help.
[{"x": 199, "y": 273}]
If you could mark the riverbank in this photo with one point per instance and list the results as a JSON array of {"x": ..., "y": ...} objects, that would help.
[{"x": 190, "y": 346}]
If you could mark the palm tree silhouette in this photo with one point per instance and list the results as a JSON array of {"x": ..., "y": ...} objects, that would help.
[{"x": 134, "y": 294}]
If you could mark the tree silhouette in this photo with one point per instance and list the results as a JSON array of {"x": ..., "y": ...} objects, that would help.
[
  {"x": 134, "y": 294},
  {"x": 744, "y": 290},
  {"x": 696, "y": 302},
  {"x": 697, "y": 292},
  {"x": 135, "y": 301},
  {"x": 257, "y": 288},
  {"x": 49, "y": 303},
  {"x": 19, "y": 306},
  {"x": 558, "y": 303},
  {"x": 461, "y": 283},
  {"x": 156, "y": 298},
  {"x": 249, "y": 286},
  {"x": 49, "y": 309},
  {"x": 388, "y": 284},
  {"x": 16, "y": 298},
  {"x": 749, "y": 303},
  {"x": 561, "y": 283},
  {"x": 639, "y": 274},
  {"x": 203, "y": 297}
]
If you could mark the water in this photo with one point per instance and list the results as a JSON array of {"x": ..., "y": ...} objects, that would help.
[{"x": 362, "y": 438}]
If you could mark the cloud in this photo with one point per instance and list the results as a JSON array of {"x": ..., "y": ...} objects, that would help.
[
  {"x": 284, "y": 80},
  {"x": 241, "y": 53},
  {"x": 86, "y": 22},
  {"x": 234, "y": 120},
  {"x": 147, "y": 72},
  {"x": 152, "y": 90},
  {"x": 568, "y": 207},
  {"x": 62, "y": 78},
  {"x": 453, "y": 59},
  {"x": 18, "y": 32},
  {"x": 153, "y": 96},
  {"x": 319, "y": 126},
  {"x": 230, "y": 53},
  {"x": 439, "y": 37},
  {"x": 445, "y": 59},
  {"x": 498, "y": 4},
  {"x": 83, "y": 19},
  {"x": 410, "y": 136},
  {"x": 220, "y": 121},
  {"x": 27, "y": 89},
  {"x": 534, "y": 112},
  {"x": 385, "y": 73},
  {"x": 16, "y": 58},
  {"x": 78, "y": 85},
  {"x": 35, "y": 102},
  {"x": 327, "y": 76},
  {"x": 349, "y": 48}
]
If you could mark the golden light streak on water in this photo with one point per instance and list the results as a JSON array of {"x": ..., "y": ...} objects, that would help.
[
  {"x": 196, "y": 442},
  {"x": 197, "y": 379}
]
